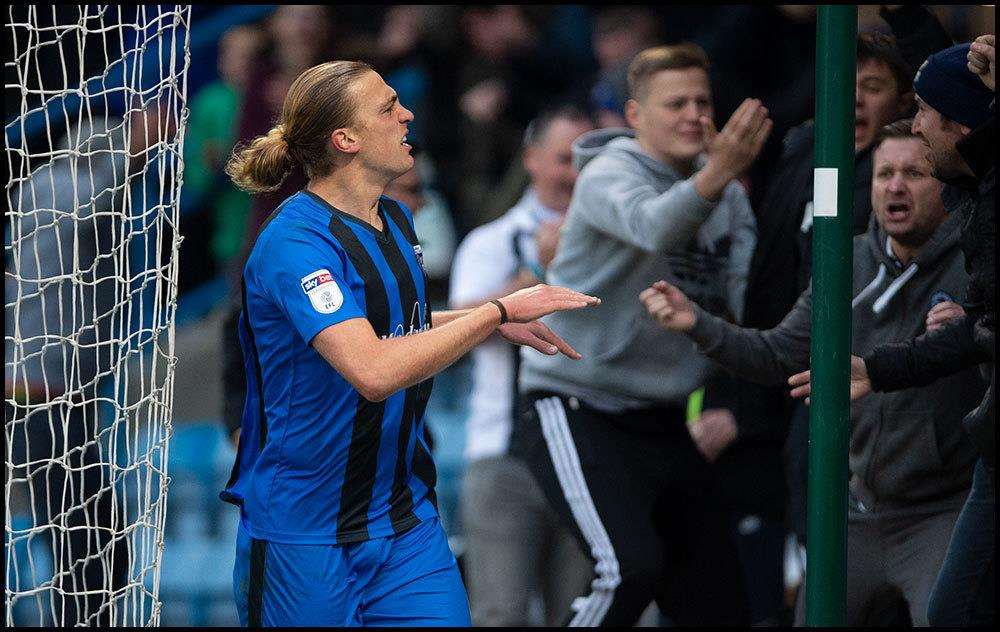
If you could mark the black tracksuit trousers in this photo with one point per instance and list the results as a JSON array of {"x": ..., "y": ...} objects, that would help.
[{"x": 643, "y": 502}]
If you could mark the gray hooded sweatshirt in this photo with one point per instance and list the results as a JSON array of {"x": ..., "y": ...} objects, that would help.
[
  {"x": 907, "y": 446},
  {"x": 634, "y": 220}
]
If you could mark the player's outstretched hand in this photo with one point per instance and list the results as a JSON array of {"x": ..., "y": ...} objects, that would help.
[
  {"x": 861, "y": 385},
  {"x": 532, "y": 303},
  {"x": 539, "y": 337},
  {"x": 669, "y": 306}
]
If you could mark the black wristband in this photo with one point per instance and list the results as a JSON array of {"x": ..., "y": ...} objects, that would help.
[{"x": 503, "y": 311}]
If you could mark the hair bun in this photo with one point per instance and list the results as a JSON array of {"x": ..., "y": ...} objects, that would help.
[
  {"x": 264, "y": 164},
  {"x": 278, "y": 133}
]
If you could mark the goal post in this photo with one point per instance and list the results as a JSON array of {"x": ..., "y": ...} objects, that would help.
[{"x": 95, "y": 101}]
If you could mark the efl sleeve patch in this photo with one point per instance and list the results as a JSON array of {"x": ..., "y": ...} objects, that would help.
[{"x": 323, "y": 292}]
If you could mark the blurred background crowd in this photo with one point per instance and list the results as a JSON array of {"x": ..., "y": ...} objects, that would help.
[{"x": 477, "y": 78}]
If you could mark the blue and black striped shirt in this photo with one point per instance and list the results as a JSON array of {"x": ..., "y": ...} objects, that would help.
[{"x": 318, "y": 463}]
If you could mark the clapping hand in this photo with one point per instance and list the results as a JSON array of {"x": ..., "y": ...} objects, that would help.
[{"x": 741, "y": 139}]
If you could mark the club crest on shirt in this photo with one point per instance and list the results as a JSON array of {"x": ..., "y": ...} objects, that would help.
[
  {"x": 322, "y": 290},
  {"x": 418, "y": 251}
]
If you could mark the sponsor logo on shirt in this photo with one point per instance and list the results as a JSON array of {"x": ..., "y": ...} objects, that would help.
[
  {"x": 418, "y": 323},
  {"x": 323, "y": 292}
]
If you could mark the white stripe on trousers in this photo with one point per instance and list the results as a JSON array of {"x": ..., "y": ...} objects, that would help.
[{"x": 590, "y": 610}]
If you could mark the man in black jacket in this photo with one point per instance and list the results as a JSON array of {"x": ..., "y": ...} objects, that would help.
[{"x": 956, "y": 116}]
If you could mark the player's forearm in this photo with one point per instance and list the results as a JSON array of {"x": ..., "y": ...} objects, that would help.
[
  {"x": 523, "y": 279},
  {"x": 441, "y": 318},
  {"x": 399, "y": 363}
]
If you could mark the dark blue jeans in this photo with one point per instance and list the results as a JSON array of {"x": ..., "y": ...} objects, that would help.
[{"x": 964, "y": 592}]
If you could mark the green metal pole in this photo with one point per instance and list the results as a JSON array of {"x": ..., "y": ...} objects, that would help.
[{"x": 829, "y": 416}]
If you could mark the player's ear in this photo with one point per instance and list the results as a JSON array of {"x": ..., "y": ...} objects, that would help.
[{"x": 345, "y": 140}]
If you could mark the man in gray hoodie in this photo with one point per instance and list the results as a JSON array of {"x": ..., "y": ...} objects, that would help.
[
  {"x": 605, "y": 436},
  {"x": 910, "y": 462}
]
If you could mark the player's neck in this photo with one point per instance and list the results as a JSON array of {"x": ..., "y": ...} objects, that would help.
[{"x": 352, "y": 191}]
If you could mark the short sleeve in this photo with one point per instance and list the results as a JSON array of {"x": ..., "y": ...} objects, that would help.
[{"x": 306, "y": 278}]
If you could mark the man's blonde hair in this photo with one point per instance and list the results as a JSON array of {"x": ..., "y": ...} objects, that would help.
[{"x": 653, "y": 60}]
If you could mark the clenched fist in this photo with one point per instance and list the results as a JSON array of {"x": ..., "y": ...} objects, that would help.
[{"x": 669, "y": 306}]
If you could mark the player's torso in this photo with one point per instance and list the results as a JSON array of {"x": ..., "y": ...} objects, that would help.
[{"x": 331, "y": 461}]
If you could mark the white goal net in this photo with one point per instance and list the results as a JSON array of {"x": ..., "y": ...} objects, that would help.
[{"x": 95, "y": 107}]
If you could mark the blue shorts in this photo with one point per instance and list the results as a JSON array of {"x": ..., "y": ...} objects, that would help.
[{"x": 409, "y": 579}]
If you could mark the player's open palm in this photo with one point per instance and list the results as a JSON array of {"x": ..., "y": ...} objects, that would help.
[
  {"x": 539, "y": 337},
  {"x": 539, "y": 300},
  {"x": 669, "y": 306}
]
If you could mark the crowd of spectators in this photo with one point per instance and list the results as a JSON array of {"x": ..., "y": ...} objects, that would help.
[{"x": 499, "y": 94}]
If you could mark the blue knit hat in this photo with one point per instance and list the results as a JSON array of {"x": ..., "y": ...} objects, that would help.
[{"x": 945, "y": 83}]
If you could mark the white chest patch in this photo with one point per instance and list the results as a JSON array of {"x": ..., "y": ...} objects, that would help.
[
  {"x": 322, "y": 290},
  {"x": 419, "y": 252}
]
